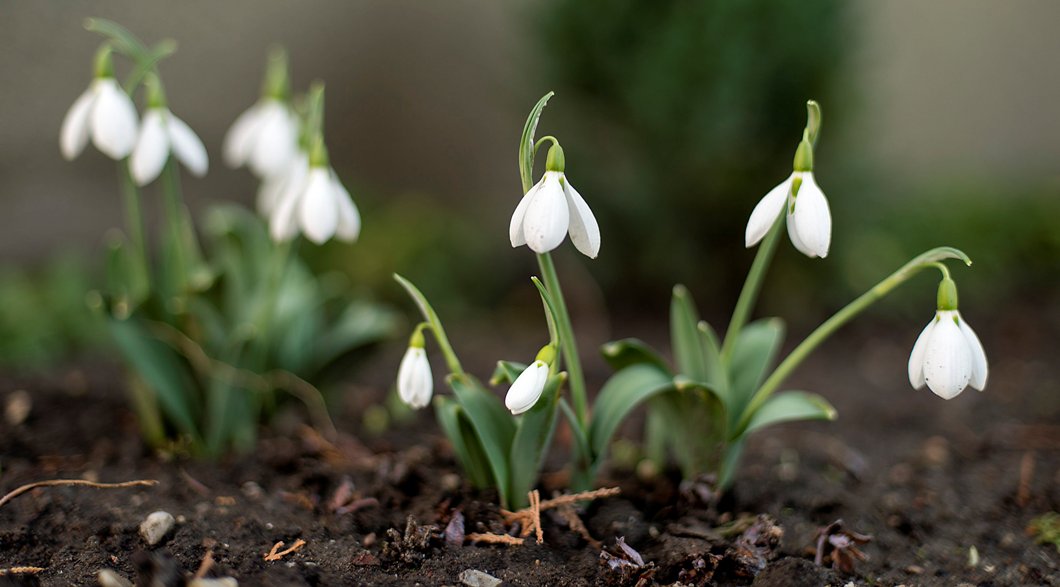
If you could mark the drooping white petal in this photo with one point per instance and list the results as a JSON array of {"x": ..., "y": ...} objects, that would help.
[
  {"x": 269, "y": 192},
  {"x": 283, "y": 219},
  {"x": 947, "y": 358},
  {"x": 112, "y": 121},
  {"x": 240, "y": 137},
  {"x": 275, "y": 143},
  {"x": 349, "y": 227},
  {"x": 152, "y": 148},
  {"x": 810, "y": 224},
  {"x": 527, "y": 388},
  {"x": 584, "y": 231},
  {"x": 547, "y": 217},
  {"x": 415, "y": 383},
  {"x": 980, "y": 369},
  {"x": 187, "y": 146},
  {"x": 318, "y": 212},
  {"x": 515, "y": 228},
  {"x": 916, "y": 358},
  {"x": 766, "y": 213},
  {"x": 74, "y": 134}
]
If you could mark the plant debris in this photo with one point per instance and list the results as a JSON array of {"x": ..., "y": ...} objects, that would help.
[
  {"x": 628, "y": 563},
  {"x": 411, "y": 547},
  {"x": 454, "y": 530},
  {"x": 755, "y": 547},
  {"x": 840, "y": 545},
  {"x": 276, "y": 554}
]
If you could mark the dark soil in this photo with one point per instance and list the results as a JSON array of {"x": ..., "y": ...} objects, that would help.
[{"x": 928, "y": 480}]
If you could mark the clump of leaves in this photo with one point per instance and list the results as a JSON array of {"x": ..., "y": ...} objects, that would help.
[{"x": 1046, "y": 529}]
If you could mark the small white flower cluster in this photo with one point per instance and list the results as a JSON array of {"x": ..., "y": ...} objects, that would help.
[
  {"x": 297, "y": 193},
  {"x": 106, "y": 114}
]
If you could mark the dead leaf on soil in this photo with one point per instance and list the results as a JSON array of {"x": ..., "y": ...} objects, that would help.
[{"x": 840, "y": 546}]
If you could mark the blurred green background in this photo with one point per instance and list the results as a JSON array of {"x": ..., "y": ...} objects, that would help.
[{"x": 941, "y": 127}]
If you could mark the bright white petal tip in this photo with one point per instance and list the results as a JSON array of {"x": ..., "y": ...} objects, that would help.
[
  {"x": 415, "y": 383},
  {"x": 152, "y": 148},
  {"x": 527, "y": 388},
  {"x": 112, "y": 121},
  {"x": 584, "y": 231},
  {"x": 809, "y": 219},
  {"x": 318, "y": 211},
  {"x": 548, "y": 212},
  {"x": 766, "y": 212},
  {"x": 74, "y": 134},
  {"x": 187, "y": 146}
]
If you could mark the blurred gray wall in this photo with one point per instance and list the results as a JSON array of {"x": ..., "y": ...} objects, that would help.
[
  {"x": 428, "y": 96},
  {"x": 421, "y": 97}
]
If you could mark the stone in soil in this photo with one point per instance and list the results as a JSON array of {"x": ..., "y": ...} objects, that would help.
[{"x": 156, "y": 526}]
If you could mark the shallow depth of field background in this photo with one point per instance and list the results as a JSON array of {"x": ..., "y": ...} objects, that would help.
[{"x": 941, "y": 126}]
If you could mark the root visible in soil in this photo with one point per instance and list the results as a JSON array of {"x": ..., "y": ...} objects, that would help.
[{"x": 61, "y": 482}]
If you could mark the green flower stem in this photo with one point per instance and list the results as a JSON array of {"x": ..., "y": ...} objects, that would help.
[
  {"x": 134, "y": 222},
  {"x": 751, "y": 287},
  {"x": 566, "y": 338},
  {"x": 437, "y": 329},
  {"x": 174, "y": 215},
  {"x": 929, "y": 259}
]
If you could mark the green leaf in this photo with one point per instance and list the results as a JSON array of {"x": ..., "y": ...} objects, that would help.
[
  {"x": 789, "y": 406},
  {"x": 162, "y": 370},
  {"x": 361, "y": 323},
  {"x": 752, "y": 355},
  {"x": 461, "y": 435},
  {"x": 532, "y": 439},
  {"x": 550, "y": 310},
  {"x": 688, "y": 350},
  {"x": 730, "y": 460},
  {"x": 623, "y": 392},
  {"x": 492, "y": 424},
  {"x": 717, "y": 374},
  {"x": 506, "y": 372},
  {"x": 620, "y": 354},
  {"x": 526, "y": 142}
]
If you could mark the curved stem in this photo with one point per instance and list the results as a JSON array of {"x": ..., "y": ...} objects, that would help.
[
  {"x": 435, "y": 323},
  {"x": 566, "y": 338},
  {"x": 929, "y": 259},
  {"x": 751, "y": 287},
  {"x": 174, "y": 214}
]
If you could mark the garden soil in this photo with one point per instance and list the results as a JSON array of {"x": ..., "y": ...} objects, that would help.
[{"x": 903, "y": 489}]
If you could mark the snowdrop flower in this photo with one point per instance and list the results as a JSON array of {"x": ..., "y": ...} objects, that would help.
[
  {"x": 160, "y": 134},
  {"x": 527, "y": 388},
  {"x": 314, "y": 201},
  {"x": 415, "y": 383},
  {"x": 265, "y": 136},
  {"x": 530, "y": 384},
  {"x": 808, "y": 218},
  {"x": 550, "y": 210},
  {"x": 104, "y": 113},
  {"x": 948, "y": 356}
]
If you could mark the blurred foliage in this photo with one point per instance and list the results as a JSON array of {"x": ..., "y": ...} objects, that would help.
[
  {"x": 43, "y": 315},
  {"x": 687, "y": 112}
]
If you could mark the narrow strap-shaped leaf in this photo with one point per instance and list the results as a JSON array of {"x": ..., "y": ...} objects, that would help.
[
  {"x": 492, "y": 424},
  {"x": 688, "y": 350},
  {"x": 730, "y": 461},
  {"x": 550, "y": 311},
  {"x": 753, "y": 354},
  {"x": 465, "y": 443},
  {"x": 789, "y": 406},
  {"x": 162, "y": 370},
  {"x": 526, "y": 142},
  {"x": 507, "y": 372},
  {"x": 532, "y": 439},
  {"x": 623, "y": 392},
  {"x": 631, "y": 351},
  {"x": 717, "y": 372}
]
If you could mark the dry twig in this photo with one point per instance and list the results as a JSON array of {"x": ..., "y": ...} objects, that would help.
[
  {"x": 21, "y": 571},
  {"x": 205, "y": 565},
  {"x": 491, "y": 538},
  {"x": 61, "y": 482},
  {"x": 574, "y": 522},
  {"x": 276, "y": 554}
]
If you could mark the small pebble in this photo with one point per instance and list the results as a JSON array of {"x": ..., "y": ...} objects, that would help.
[
  {"x": 473, "y": 578},
  {"x": 252, "y": 490},
  {"x": 155, "y": 527},
  {"x": 222, "y": 582},
  {"x": 450, "y": 482},
  {"x": 18, "y": 407},
  {"x": 108, "y": 578}
]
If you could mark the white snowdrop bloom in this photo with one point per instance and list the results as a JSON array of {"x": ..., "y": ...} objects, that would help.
[
  {"x": 163, "y": 133},
  {"x": 264, "y": 138},
  {"x": 272, "y": 189},
  {"x": 948, "y": 357},
  {"x": 317, "y": 204},
  {"x": 527, "y": 388},
  {"x": 551, "y": 210},
  {"x": 415, "y": 383},
  {"x": 809, "y": 220},
  {"x": 104, "y": 113}
]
